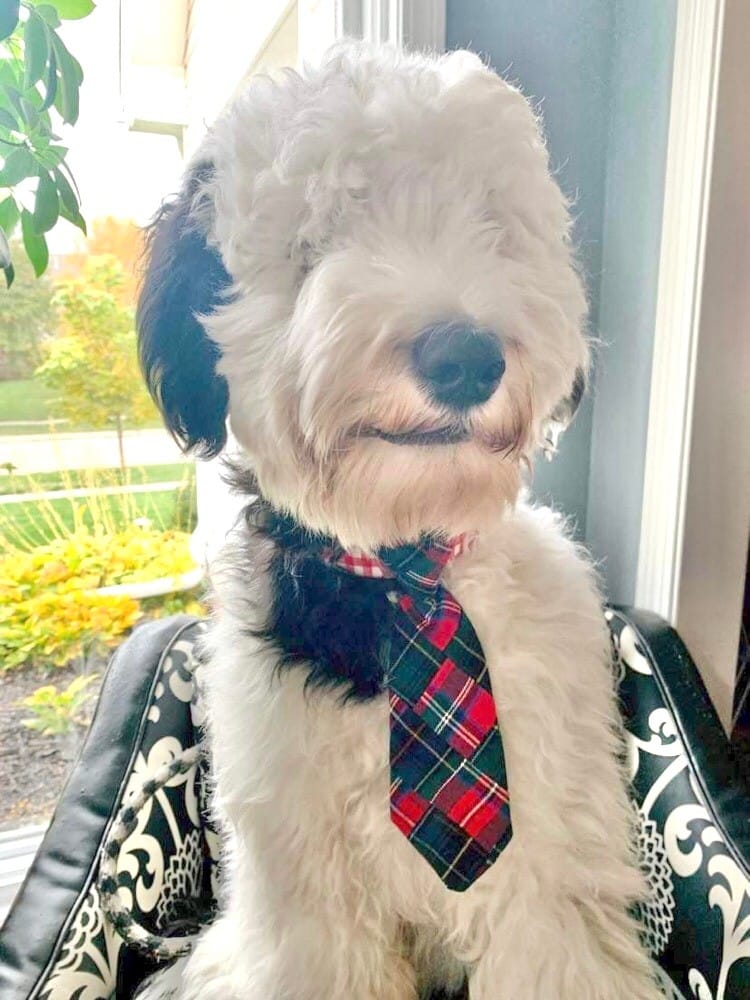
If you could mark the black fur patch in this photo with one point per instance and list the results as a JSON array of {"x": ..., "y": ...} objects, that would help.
[
  {"x": 184, "y": 278},
  {"x": 335, "y": 624},
  {"x": 579, "y": 388}
]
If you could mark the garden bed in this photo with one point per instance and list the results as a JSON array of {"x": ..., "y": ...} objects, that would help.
[
  {"x": 64, "y": 605},
  {"x": 33, "y": 767}
]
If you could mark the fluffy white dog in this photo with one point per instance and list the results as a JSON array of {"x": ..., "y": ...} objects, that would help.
[{"x": 369, "y": 271}]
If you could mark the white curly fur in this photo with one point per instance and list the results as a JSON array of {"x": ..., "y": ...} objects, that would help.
[{"x": 354, "y": 205}]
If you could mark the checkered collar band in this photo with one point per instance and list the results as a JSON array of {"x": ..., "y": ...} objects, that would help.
[
  {"x": 448, "y": 785},
  {"x": 419, "y": 566}
]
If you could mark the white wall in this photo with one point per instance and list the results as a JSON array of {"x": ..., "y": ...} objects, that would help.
[{"x": 225, "y": 40}]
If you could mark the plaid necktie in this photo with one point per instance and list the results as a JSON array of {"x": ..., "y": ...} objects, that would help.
[{"x": 449, "y": 792}]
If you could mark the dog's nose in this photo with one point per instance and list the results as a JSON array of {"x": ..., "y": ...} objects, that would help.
[{"x": 459, "y": 364}]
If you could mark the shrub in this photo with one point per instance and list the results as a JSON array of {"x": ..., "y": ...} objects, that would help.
[
  {"x": 55, "y": 713},
  {"x": 54, "y": 628},
  {"x": 50, "y": 612}
]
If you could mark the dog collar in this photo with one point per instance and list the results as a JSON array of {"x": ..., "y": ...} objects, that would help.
[{"x": 418, "y": 566}]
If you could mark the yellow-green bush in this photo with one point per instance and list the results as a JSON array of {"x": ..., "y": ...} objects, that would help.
[
  {"x": 55, "y": 713},
  {"x": 49, "y": 610}
]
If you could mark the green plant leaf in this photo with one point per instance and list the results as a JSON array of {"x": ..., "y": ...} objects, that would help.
[
  {"x": 66, "y": 99},
  {"x": 8, "y": 121},
  {"x": 34, "y": 98},
  {"x": 48, "y": 12},
  {"x": 34, "y": 244},
  {"x": 13, "y": 98},
  {"x": 66, "y": 170},
  {"x": 39, "y": 139},
  {"x": 50, "y": 156},
  {"x": 9, "y": 215},
  {"x": 75, "y": 218},
  {"x": 18, "y": 165},
  {"x": 47, "y": 204},
  {"x": 69, "y": 208},
  {"x": 4, "y": 250},
  {"x": 67, "y": 194},
  {"x": 35, "y": 49},
  {"x": 30, "y": 114},
  {"x": 77, "y": 68},
  {"x": 50, "y": 82},
  {"x": 71, "y": 10},
  {"x": 8, "y": 17},
  {"x": 10, "y": 73}
]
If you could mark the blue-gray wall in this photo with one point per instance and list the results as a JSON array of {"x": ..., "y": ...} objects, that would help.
[
  {"x": 633, "y": 203},
  {"x": 601, "y": 70}
]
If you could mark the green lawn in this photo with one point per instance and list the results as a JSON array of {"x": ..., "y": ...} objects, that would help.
[
  {"x": 39, "y": 521},
  {"x": 91, "y": 478},
  {"x": 26, "y": 399},
  {"x": 30, "y": 399}
]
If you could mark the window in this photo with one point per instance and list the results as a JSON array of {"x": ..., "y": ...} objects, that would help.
[{"x": 89, "y": 476}]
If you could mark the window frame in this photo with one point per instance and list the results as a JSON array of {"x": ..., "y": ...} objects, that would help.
[
  {"x": 417, "y": 24},
  {"x": 696, "y": 502}
]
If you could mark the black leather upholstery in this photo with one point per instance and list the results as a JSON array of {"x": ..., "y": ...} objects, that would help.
[
  {"x": 694, "y": 824},
  {"x": 36, "y": 936},
  {"x": 678, "y": 686},
  {"x": 694, "y": 814}
]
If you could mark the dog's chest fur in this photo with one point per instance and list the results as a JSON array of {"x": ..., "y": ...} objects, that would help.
[{"x": 302, "y": 774}]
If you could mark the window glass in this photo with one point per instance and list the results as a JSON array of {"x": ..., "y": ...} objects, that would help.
[{"x": 94, "y": 493}]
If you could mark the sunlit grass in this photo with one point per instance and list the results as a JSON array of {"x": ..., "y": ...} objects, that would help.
[
  {"x": 28, "y": 524},
  {"x": 86, "y": 478},
  {"x": 24, "y": 399}
]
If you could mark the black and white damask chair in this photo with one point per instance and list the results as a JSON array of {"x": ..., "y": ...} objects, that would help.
[{"x": 91, "y": 929}]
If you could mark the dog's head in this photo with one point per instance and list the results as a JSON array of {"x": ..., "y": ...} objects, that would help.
[{"x": 368, "y": 270}]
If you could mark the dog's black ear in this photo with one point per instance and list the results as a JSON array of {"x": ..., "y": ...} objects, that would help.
[
  {"x": 184, "y": 278},
  {"x": 562, "y": 416}
]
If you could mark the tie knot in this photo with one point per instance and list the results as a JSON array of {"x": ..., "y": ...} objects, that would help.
[{"x": 418, "y": 566}]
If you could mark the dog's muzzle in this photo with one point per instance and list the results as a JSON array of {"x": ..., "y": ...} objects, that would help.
[{"x": 458, "y": 364}]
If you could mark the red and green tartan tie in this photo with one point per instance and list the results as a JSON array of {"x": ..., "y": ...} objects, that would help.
[{"x": 449, "y": 792}]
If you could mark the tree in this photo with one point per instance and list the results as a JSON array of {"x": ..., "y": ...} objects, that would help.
[
  {"x": 92, "y": 363},
  {"x": 124, "y": 240},
  {"x": 27, "y": 318},
  {"x": 38, "y": 75}
]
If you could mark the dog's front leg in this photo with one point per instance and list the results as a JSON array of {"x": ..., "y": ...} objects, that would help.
[
  {"x": 556, "y": 907},
  {"x": 273, "y": 944},
  {"x": 302, "y": 790},
  {"x": 297, "y": 950},
  {"x": 566, "y": 949}
]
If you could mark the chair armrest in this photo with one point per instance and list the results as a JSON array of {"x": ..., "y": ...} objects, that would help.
[
  {"x": 54, "y": 902},
  {"x": 694, "y": 812}
]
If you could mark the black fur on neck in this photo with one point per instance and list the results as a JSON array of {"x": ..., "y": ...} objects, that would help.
[{"x": 334, "y": 625}]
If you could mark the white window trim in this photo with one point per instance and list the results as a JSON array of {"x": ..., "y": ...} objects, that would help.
[
  {"x": 696, "y": 504},
  {"x": 415, "y": 24}
]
